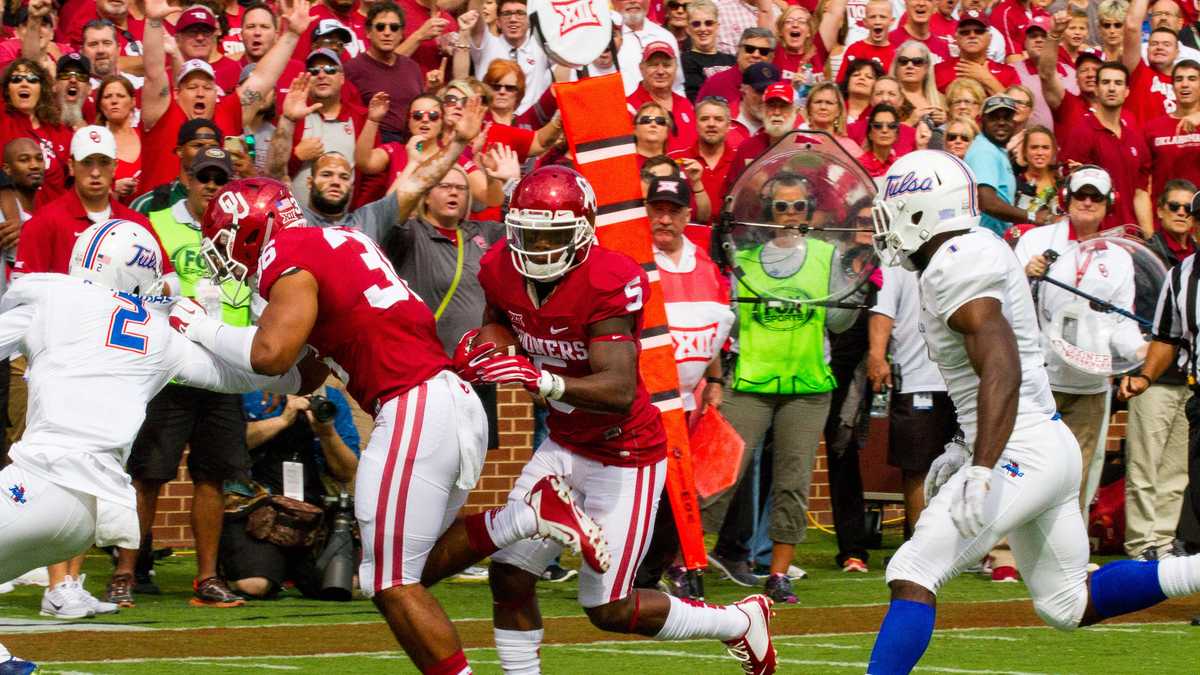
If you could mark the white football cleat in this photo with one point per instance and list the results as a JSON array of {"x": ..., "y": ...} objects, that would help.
[
  {"x": 98, "y": 606},
  {"x": 560, "y": 520},
  {"x": 754, "y": 649},
  {"x": 62, "y": 602}
]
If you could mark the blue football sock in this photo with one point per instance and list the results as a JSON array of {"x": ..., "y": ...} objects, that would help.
[
  {"x": 902, "y": 638},
  {"x": 1126, "y": 586}
]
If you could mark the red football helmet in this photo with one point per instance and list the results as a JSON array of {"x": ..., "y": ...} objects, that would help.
[
  {"x": 239, "y": 222},
  {"x": 551, "y": 222}
]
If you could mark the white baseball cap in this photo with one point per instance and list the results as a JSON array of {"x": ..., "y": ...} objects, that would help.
[
  {"x": 1090, "y": 175},
  {"x": 93, "y": 140},
  {"x": 192, "y": 66}
]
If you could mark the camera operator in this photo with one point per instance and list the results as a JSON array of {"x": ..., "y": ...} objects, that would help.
[{"x": 301, "y": 444}]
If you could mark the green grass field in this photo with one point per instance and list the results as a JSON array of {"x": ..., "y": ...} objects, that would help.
[{"x": 1133, "y": 646}]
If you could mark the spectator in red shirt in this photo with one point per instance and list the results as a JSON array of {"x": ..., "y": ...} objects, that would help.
[
  {"x": 30, "y": 110},
  {"x": 103, "y": 48},
  {"x": 658, "y": 76},
  {"x": 1038, "y": 49},
  {"x": 48, "y": 237},
  {"x": 1111, "y": 19},
  {"x": 1175, "y": 153},
  {"x": 915, "y": 26},
  {"x": 877, "y": 46},
  {"x": 424, "y": 22},
  {"x": 713, "y": 151},
  {"x": 350, "y": 15},
  {"x": 803, "y": 42},
  {"x": 196, "y": 38},
  {"x": 887, "y": 90},
  {"x": 755, "y": 46},
  {"x": 913, "y": 67},
  {"x": 73, "y": 89},
  {"x": 973, "y": 39},
  {"x": 651, "y": 130},
  {"x": 825, "y": 111},
  {"x": 116, "y": 12},
  {"x": 382, "y": 68},
  {"x": 1011, "y": 17},
  {"x": 1150, "y": 93},
  {"x": 780, "y": 116},
  {"x": 115, "y": 111},
  {"x": 857, "y": 87},
  {"x": 260, "y": 29},
  {"x": 879, "y": 151},
  {"x": 1066, "y": 106},
  {"x": 1106, "y": 138},
  {"x": 507, "y": 83}
]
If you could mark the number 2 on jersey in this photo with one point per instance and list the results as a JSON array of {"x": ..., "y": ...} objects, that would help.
[
  {"x": 129, "y": 313},
  {"x": 380, "y": 296}
]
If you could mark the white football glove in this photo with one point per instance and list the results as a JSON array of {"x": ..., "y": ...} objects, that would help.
[
  {"x": 943, "y": 467},
  {"x": 189, "y": 318},
  {"x": 967, "y": 512}
]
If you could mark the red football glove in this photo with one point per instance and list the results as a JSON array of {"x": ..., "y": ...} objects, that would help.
[
  {"x": 467, "y": 359},
  {"x": 511, "y": 369}
]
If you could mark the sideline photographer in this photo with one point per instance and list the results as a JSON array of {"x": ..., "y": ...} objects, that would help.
[{"x": 300, "y": 447}]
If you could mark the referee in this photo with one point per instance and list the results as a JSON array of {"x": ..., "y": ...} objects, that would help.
[{"x": 1176, "y": 321}]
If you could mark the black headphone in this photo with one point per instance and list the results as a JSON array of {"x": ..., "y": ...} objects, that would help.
[
  {"x": 791, "y": 178},
  {"x": 1065, "y": 194}
]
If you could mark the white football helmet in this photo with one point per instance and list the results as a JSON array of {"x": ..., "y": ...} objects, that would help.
[
  {"x": 121, "y": 255},
  {"x": 925, "y": 193}
]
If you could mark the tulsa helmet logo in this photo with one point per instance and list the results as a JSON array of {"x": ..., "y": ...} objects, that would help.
[
  {"x": 574, "y": 14},
  {"x": 899, "y": 185}
]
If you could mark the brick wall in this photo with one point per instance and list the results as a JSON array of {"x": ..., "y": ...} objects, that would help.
[{"x": 171, "y": 528}]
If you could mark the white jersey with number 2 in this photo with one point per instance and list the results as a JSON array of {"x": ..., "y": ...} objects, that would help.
[
  {"x": 96, "y": 358},
  {"x": 980, "y": 265}
]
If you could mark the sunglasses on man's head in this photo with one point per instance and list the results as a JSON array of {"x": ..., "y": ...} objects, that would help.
[
  {"x": 706, "y": 23},
  {"x": 917, "y": 61},
  {"x": 1176, "y": 207},
  {"x": 381, "y": 26},
  {"x": 328, "y": 69},
  {"x": 656, "y": 119},
  {"x": 880, "y": 126},
  {"x": 431, "y": 115},
  {"x": 782, "y": 205},
  {"x": 25, "y": 77},
  {"x": 761, "y": 51}
]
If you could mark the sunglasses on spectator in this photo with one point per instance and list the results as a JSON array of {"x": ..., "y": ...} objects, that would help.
[
  {"x": 218, "y": 178},
  {"x": 706, "y": 23},
  {"x": 972, "y": 30},
  {"x": 917, "y": 61},
  {"x": 328, "y": 69},
  {"x": 506, "y": 87},
  {"x": 880, "y": 126},
  {"x": 513, "y": 14},
  {"x": 25, "y": 77},
  {"x": 431, "y": 115},
  {"x": 782, "y": 205},
  {"x": 761, "y": 51},
  {"x": 672, "y": 4},
  {"x": 657, "y": 119},
  {"x": 1111, "y": 24},
  {"x": 1176, "y": 207},
  {"x": 958, "y": 137},
  {"x": 1094, "y": 197},
  {"x": 393, "y": 27},
  {"x": 71, "y": 75},
  {"x": 451, "y": 99}
]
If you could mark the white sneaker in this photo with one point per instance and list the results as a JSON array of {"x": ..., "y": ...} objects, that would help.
[
  {"x": 62, "y": 602},
  {"x": 98, "y": 606}
]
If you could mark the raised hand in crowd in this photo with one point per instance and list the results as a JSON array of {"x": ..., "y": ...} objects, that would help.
[
  {"x": 297, "y": 17},
  {"x": 501, "y": 163},
  {"x": 469, "y": 125},
  {"x": 433, "y": 28},
  {"x": 378, "y": 106},
  {"x": 466, "y": 22},
  {"x": 436, "y": 77},
  {"x": 160, "y": 9},
  {"x": 295, "y": 104}
]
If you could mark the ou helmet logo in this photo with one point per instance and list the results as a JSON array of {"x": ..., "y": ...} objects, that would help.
[{"x": 234, "y": 204}]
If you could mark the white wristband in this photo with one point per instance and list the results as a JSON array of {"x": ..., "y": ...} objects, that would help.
[{"x": 551, "y": 386}]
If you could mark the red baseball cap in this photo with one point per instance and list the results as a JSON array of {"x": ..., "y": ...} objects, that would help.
[
  {"x": 1040, "y": 21},
  {"x": 780, "y": 91},
  {"x": 657, "y": 47},
  {"x": 971, "y": 16},
  {"x": 196, "y": 15}
]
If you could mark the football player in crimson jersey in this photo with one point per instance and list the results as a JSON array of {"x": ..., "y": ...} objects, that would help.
[
  {"x": 333, "y": 289},
  {"x": 576, "y": 309}
]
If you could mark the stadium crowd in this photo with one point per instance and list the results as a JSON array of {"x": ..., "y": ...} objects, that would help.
[{"x": 142, "y": 110}]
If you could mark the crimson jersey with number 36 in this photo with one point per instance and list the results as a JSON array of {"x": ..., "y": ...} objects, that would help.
[
  {"x": 369, "y": 323},
  {"x": 555, "y": 336}
]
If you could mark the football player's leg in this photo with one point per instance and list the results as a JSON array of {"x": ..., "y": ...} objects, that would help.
[
  {"x": 40, "y": 522},
  {"x": 516, "y": 618},
  {"x": 405, "y": 483}
]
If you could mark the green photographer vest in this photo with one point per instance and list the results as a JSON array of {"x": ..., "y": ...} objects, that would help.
[
  {"x": 182, "y": 243},
  {"x": 782, "y": 346}
]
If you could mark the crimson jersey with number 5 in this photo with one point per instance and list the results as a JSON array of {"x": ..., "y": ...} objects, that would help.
[
  {"x": 555, "y": 336},
  {"x": 369, "y": 323}
]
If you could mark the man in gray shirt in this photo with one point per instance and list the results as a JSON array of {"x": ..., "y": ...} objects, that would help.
[{"x": 331, "y": 185}]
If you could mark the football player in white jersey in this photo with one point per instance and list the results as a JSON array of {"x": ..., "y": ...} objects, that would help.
[
  {"x": 1020, "y": 476},
  {"x": 98, "y": 351}
]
